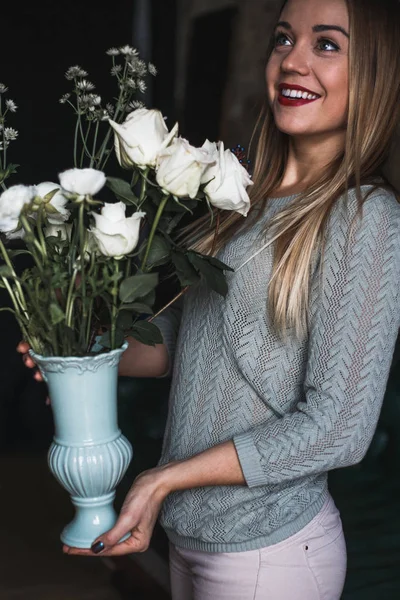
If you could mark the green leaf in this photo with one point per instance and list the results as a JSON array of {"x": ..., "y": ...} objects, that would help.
[
  {"x": 56, "y": 314},
  {"x": 122, "y": 190},
  {"x": 51, "y": 194},
  {"x": 124, "y": 320},
  {"x": 137, "y": 286},
  {"x": 217, "y": 263},
  {"x": 5, "y": 271},
  {"x": 5, "y": 173},
  {"x": 105, "y": 339},
  {"x": 213, "y": 275},
  {"x": 149, "y": 299},
  {"x": 186, "y": 273},
  {"x": 159, "y": 252},
  {"x": 138, "y": 307},
  {"x": 146, "y": 333}
]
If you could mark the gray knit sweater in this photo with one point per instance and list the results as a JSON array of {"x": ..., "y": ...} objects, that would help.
[{"x": 295, "y": 409}]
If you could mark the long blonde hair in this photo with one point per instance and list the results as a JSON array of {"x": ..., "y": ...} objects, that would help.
[{"x": 374, "y": 109}]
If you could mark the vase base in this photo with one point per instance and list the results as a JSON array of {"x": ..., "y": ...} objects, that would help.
[{"x": 93, "y": 517}]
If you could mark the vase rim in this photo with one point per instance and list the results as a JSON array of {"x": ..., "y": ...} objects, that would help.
[{"x": 67, "y": 359}]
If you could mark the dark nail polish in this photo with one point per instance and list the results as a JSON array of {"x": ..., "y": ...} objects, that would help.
[{"x": 97, "y": 547}]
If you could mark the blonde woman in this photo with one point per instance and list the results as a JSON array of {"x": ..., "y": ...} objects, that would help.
[{"x": 283, "y": 380}]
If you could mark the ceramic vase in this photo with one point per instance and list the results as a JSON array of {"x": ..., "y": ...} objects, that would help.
[{"x": 89, "y": 455}]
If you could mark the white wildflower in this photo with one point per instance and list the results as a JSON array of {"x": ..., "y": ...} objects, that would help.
[
  {"x": 134, "y": 105},
  {"x": 128, "y": 50},
  {"x": 10, "y": 104},
  {"x": 10, "y": 134},
  {"x": 85, "y": 85},
  {"x": 3, "y": 88},
  {"x": 110, "y": 108},
  {"x": 64, "y": 98},
  {"x": 95, "y": 99},
  {"x": 152, "y": 69},
  {"x": 137, "y": 67},
  {"x": 75, "y": 71},
  {"x": 131, "y": 83},
  {"x": 103, "y": 115},
  {"x": 116, "y": 69},
  {"x": 89, "y": 101},
  {"x": 142, "y": 87},
  {"x": 113, "y": 52}
]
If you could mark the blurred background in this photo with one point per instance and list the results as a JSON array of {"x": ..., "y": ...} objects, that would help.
[{"x": 210, "y": 56}]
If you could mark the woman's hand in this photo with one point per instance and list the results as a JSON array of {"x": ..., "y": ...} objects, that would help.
[
  {"x": 138, "y": 517},
  {"x": 23, "y": 348}
]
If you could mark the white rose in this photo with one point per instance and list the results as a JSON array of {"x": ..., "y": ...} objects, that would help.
[
  {"x": 12, "y": 201},
  {"x": 115, "y": 234},
  {"x": 141, "y": 137},
  {"x": 53, "y": 229},
  {"x": 227, "y": 182},
  {"x": 180, "y": 168},
  {"x": 56, "y": 211},
  {"x": 83, "y": 182}
]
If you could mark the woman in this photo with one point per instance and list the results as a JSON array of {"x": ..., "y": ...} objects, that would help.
[{"x": 283, "y": 380}]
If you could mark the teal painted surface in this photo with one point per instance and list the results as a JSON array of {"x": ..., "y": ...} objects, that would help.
[{"x": 89, "y": 455}]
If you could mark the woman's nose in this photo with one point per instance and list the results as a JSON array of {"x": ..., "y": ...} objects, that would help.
[{"x": 296, "y": 61}]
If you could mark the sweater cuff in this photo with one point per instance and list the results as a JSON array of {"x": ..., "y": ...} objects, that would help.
[{"x": 249, "y": 459}]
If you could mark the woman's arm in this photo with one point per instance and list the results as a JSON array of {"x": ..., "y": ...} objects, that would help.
[{"x": 216, "y": 466}]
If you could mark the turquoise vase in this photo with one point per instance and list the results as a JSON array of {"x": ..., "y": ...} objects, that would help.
[{"x": 89, "y": 455}]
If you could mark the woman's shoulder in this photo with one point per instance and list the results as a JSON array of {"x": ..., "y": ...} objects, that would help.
[{"x": 377, "y": 202}]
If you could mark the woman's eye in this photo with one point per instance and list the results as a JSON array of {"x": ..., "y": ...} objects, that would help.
[
  {"x": 281, "y": 39},
  {"x": 327, "y": 45}
]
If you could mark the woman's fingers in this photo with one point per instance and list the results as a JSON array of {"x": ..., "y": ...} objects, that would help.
[
  {"x": 38, "y": 376},
  {"x": 23, "y": 347},
  {"x": 28, "y": 361},
  {"x": 129, "y": 546}
]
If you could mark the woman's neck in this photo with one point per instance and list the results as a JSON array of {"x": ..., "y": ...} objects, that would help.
[{"x": 307, "y": 158}]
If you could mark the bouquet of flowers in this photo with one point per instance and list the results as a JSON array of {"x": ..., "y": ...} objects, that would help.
[{"x": 93, "y": 263}]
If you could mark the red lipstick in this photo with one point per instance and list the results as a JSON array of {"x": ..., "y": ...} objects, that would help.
[{"x": 286, "y": 101}]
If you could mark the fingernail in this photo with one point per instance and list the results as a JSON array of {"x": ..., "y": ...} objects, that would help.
[{"x": 97, "y": 547}]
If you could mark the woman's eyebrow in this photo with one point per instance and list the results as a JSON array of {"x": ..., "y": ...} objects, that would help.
[{"x": 316, "y": 28}]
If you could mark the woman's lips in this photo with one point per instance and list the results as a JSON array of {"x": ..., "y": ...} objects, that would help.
[{"x": 285, "y": 101}]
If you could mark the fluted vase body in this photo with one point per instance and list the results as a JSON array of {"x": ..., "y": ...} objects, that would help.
[{"x": 89, "y": 455}]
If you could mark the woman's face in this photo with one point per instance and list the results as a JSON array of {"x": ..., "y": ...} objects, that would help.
[{"x": 310, "y": 59}]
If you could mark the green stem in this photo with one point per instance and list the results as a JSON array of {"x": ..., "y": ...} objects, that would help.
[
  {"x": 76, "y": 140},
  {"x": 85, "y": 149},
  {"x": 143, "y": 188},
  {"x": 20, "y": 296},
  {"x": 153, "y": 231},
  {"x": 118, "y": 108},
  {"x": 96, "y": 132},
  {"x": 20, "y": 317},
  {"x": 42, "y": 239},
  {"x": 70, "y": 299},
  {"x": 114, "y": 310},
  {"x": 82, "y": 239}
]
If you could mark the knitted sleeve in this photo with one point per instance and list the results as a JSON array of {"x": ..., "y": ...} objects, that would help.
[
  {"x": 354, "y": 321},
  {"x": 168, "y": 323}
]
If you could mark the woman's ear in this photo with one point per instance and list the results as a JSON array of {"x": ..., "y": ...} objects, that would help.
[{"x": 391, "y": 168}]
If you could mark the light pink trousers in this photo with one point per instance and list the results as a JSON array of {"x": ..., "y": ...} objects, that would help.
[{"x": 310, "y": 565}]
